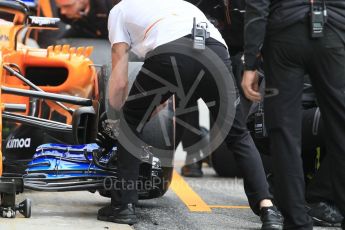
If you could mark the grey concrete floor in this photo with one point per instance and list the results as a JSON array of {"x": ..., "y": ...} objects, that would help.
[
  {"x": 77, "y": 210},
  {"x": 170, "y": 213},
  {"x": 61, "y": 210}
]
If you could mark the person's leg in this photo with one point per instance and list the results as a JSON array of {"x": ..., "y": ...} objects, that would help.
[
  {"x": 246, "y": 154},
  {"x": 124, "y": 193},
  {"x": 193, "y": 160},
  {"x": 189, "y": 137},
  {"x": 319, "y": 195},
  {"x": 327, "y": 72},
  {"x": 249, "y": 161},
  {"x": 248, "y": 158},
  {"x": 283, "y": 115},
  {"x": 242, "y": 145}
]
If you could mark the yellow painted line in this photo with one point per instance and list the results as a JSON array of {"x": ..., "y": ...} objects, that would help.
[
  {"x": 187, "y": 195},
  {"x": 229, "y": 206}
]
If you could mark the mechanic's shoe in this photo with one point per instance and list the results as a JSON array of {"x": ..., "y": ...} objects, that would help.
[
  {"x": 343, "y": 224},
  {"x": 271, "y": 218},
  {"x": 325, "y": 214},
  {"x": 192, "y": 170},
  {"x": 121, "y": 214}
]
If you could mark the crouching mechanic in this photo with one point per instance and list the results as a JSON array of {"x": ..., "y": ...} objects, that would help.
[{"x": 160, "y": 31}]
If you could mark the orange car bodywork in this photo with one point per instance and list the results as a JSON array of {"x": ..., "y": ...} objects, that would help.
[{"x": 80, "y": 80}]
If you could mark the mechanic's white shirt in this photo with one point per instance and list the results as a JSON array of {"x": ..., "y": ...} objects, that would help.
[{"x": 146, "y": 24}]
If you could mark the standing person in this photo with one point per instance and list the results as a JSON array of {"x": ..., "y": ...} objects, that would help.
[
  {"x": 87, "y": 18},
  {"x": 159, "y": 32},
  {"x": 298, "y": 37}
]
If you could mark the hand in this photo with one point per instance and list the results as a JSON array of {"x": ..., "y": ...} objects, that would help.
[
  {"x": 108, "y": 132},
  {"x": 250, "y": 85}
]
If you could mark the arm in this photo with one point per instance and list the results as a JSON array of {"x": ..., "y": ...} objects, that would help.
[
  {"x": 254, "y": 33},
  {"x": 118, "y": 82}
]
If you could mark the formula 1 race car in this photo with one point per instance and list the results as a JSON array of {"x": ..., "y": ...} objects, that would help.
[{"x": 56, "y": 95}]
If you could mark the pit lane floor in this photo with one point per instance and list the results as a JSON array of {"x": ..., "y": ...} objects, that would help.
[
  {"x": 191, "y": 203},
  {"x": 206, "y": 203},
  {"x": 225, "y": 198}
]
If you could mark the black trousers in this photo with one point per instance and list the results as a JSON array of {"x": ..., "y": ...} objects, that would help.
[
  {"x": 238, "y": 139},
  {"x": 186, "y": 136},
  {"x": 246, "y": 154},
  {"x": 288, "y": 55}
]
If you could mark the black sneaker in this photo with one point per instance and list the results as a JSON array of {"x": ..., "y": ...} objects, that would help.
[
  {"x": 192, "y": 170},
  {"x": 343, "y": 224},
  {"x": 121, "y": 214},
  {"x": 271, "y": 218},
  {"x": 325, "y": 214}
]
